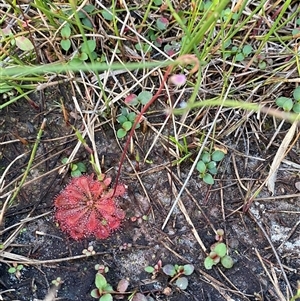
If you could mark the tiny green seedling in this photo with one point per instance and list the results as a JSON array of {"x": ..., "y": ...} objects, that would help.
[
  {"x": 176, "y": 273},
  {"x": 77, "y": 169},
  {"x": 126, "y": 120},
  {"x": 101, "y": 269},
  {"x": 65, "y": 33},
  {"x": 288, "y": 104},
  {"x": 89, "y": 251},
  {"x": 57, "y": 282},
  {"x": 207, "y": 165},
  {"x": 103, "y": 289},
  {"x": 143, "y": 98},
  {"x": 154, "y": 270},
  {"x": 85, "y": 15},
  {"x": 16, "y": 270},
  {"x": 218, "y": 253},
  {"x": 239, "y": 53}
]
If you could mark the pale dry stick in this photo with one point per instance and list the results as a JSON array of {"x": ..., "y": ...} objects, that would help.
[
  {"x": 176, "y": 132},
  {"x": 197, "y": 158},
  {"x": 275, "y": 134},
  {"x": 274, "y": 251},
  {"x": 25, "y": 260},
  {"x": 7, "y": 169},
  {"x": 237, "y": 173},
  {"x": 222, "y": 203},
  {"x": 280, "y": 155},
  {"x": 3, "y": 209},
  {"x": 186, "y": 215},
  {"x": 277, "y": 289},
  {"x": 23, "y": 221}
]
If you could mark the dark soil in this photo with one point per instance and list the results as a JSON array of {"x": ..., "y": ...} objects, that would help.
[{"x": 48, "y": 253}]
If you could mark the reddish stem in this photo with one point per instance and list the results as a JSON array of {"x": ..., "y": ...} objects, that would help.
[{"x": 137, "y": 120}]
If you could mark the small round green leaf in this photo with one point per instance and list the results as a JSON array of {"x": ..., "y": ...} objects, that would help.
[
  {"x": 83, "y": 56},
  {"x": 247, "y": 49},
  {"x": 12, "y": 270},
  {"x": 131, "y": 116},
  {"x": 89, "y": 45},
  {"x": 296, "y": 94},
  {"x": 106, "y": 297},
  {"x": 149, "y": 269},
  {"x": 285, "y": 103},
  {"x": 100, "y": 281},
  {"x": 95, "y": 293},
  {"x": 227, "y": 262},
  {"x": 296, "y": 108},
  {"x": 169, "y": 269},
  {"x": 262, "y": 65},
  {"x": 127, "y": 125},
  {"x": 89, "y": 8},
  {"x": 121, "y": 119},
  {"x": 211, "y": 165},
  {"x": 217, "y": 155},
  {"x": 24, "y": 43},
  {"x": 107, "y": 15},
  {"x": 81, "y": 167},
  {"x": 144, "y": 97},
  {"x": 182, "y": 283},
  {"x": 121, "y": 133},
  {"x": 188, "y": 269},
  {"x": 162, "y": 23},
  {"x": 208, "y": 179},
  {"x": 66, "y": 31},
  {"x": 220, "y": 249},
  {"x": 65, "y": 44},
  {"x": 74, "y": 167},
  {"x": 205, "y": 157},
  {"x": 240, "y": 57},
  {"x": 86, "y": 22},
  {"x": 209, "y": 263},
  {"x": 213, "y": 170},
  {"x": 201, "y": 167}
]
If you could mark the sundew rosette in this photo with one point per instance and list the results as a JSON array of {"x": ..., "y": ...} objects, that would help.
[{"x": 87, "y": 207}]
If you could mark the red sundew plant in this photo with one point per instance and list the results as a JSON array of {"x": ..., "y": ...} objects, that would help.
[{"x": 87, "y": 207}]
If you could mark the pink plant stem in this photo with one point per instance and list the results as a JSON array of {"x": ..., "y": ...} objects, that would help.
[{"x": 137, "y": 120}]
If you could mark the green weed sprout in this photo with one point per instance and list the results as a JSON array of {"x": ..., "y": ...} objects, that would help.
[
  {"x": 76, "y": 168},
  {"x": 207, "y": 165},
  {"x": 176, "y": 273},
  {"x": 218, "y": 253},
  {"x": 126, "y": 120},
  {"x": 103, "y": 289},
  {"x": 16, "y": 270},
  {"x": 288, "y": 104}
]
